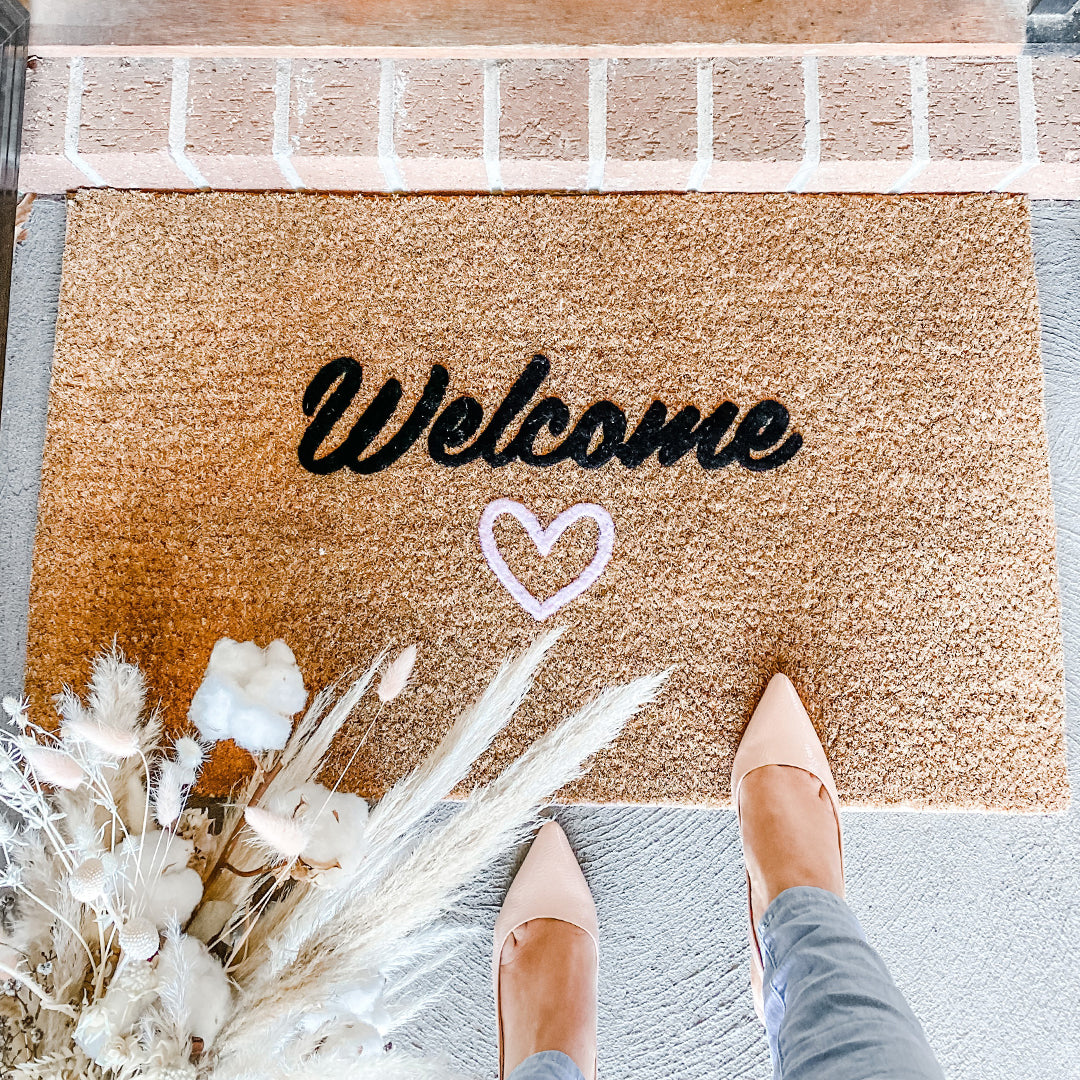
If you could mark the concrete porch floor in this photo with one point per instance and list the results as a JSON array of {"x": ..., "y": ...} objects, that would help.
[{"x": 976, "y": 915}]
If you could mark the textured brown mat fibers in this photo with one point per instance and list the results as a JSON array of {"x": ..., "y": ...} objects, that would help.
[{"x": 898, "y": 564}]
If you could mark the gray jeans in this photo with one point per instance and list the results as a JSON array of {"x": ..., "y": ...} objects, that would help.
[{"x": 831, "y": 1010}]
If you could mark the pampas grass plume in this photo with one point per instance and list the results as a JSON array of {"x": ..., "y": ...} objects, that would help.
[
  {"x": 397, "y": 674},
  {"x": 53, "y": 766},
  {"x": 281, "y": 834}
]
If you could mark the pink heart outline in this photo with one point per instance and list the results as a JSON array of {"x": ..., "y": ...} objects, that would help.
[{"x": 545, "y": 540}]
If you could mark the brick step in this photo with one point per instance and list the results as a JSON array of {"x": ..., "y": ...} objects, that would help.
[{"x": 739, "y": 118}]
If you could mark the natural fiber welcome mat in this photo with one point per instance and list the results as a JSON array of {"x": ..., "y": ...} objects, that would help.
[{"x": 752, "y": 431}]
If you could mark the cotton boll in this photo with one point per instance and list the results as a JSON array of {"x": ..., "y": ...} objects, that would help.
[
  {"x": 335, "y": 826},
  {"x": 278, "y": 688},
  {"x": 249, "y": 694},
  {"x": 156, "y": 880},
  {"x": 198, "y": 985},
  {"x": 212, "y": 707},
  {"x": 279, "y": 654},
  {"x": 257, "y": 728},
  {"x": 236, "y": 659}
]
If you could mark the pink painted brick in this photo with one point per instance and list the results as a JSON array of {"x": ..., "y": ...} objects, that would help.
[
  {"x": 759, "y": 110},
  {"x": 334, "y": 124},
  {"x": 974, "y": 107},
  {"x": 124, "y": 134},
  {"x": 856, "y": 176},
  {"x": 865, "y": 108},
  {"x": 1051, "y": 180},
  {"x": 544, "y": 124},
  {"x": 651, "y": 108},
  {"x": 866, "y": 126},
  {"x": 43, "y": 166},
  {"x": 651, "y": 123},
  {"x": 545, "y": 110},
  {"x": 1057, "y": 102},
  {"x": 439, "y": 124},
  {"x": 230, "y": 122}
]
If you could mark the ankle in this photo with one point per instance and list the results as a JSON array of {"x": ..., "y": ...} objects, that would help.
[{"x": 789, "y": 831}]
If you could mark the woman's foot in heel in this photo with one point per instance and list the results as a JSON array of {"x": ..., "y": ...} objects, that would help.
[
  {"x": 789, "y": 814},
  {"x": 547, "y": 993},
  {"x": 545, "y": 959}
]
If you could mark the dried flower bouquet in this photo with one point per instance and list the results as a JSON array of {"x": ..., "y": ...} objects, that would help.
[{"x": 142, "y": 938}]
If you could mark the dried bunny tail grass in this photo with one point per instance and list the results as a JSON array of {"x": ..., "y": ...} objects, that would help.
[
  {"x": 396, "y": 675},
  {"x": 280, "y": 836},
  {"x": 171, "y": 787},
  {"x": 118, "y": 698},
  {"x": 367, "y": 931}
]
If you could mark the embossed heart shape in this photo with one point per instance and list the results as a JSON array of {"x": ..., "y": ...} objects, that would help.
[{"x": 545, "y": 540}]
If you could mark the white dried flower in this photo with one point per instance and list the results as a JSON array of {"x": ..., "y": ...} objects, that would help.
[
  {"x": 169, "y": 792},
  {"x": 139, "y": 938},
  {"x": 190, "y": 753},
  {"x": 335, "y": 824},
  {"x": 15, "y": 709},
  {"x": 88, "y": 880},
  {"x": 53, "y": 766},
  {"x": 9, "y": 831},
  {"x": 397, "y": 674},
  {"x": 279, "y": 833},
  {"x": 114, "y": 741}
]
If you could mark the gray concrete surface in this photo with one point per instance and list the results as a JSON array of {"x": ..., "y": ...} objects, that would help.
[{"x": 977, "y": 915}]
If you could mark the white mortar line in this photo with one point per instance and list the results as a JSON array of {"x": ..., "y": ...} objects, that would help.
[
  {"x": 1029, "y": 124},
  {"x": 73, "y": 121},
  {"x": 281, "y": 150},
  {"x": 492, "y": 111},
  {"x": 812, "y": 125},
  {"x": 388, "y": 161},
  {"x": 598, "y": 70},
  {"x": 178, "y": 103},
  {"x": 704, "y": 125},
  {"x": 920, "y": 125}
]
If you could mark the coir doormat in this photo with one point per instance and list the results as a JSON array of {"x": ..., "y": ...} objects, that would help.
[{"x": 728, "y": 433}]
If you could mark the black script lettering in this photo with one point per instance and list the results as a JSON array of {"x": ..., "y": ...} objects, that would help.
[
  {"x": 412, "y": 429},
  {"x": 603, "y": 415},
  {"x": 363, "y": 431},
  {"x": 761, "y": 428},
  {"x": 457, "y": 423},
  {"x": 755, "y": 443},
  {"x": 711, "y": 432},
  {"x": 674, "y": 438},
  {"x": 528, "y": 382},
  {"x": 371, "y": 421},
  {"x": 550, "y": 413}
]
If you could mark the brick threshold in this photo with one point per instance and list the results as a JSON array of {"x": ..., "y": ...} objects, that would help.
[{"x": 713, "y": 118}]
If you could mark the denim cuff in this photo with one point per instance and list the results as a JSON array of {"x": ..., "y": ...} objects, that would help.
[
  {"x": 821, "y": 905},
  {"x": 547, "y": 1065}
]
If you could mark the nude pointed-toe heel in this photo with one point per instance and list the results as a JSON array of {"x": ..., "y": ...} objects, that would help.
[
  {"x": 779, "y": 733},
  {"x": 549, "y": 885}
]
